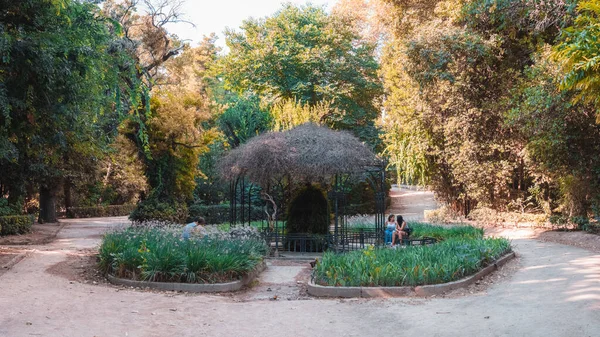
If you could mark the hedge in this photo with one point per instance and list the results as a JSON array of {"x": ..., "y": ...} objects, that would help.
[
  {"x": 15, "y": 224},
  {"x": 218, "y": 214},
  {"x": 99, "y": 211}
]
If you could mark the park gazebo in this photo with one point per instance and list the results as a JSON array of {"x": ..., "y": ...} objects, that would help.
[{"x": 300, "y": 175}]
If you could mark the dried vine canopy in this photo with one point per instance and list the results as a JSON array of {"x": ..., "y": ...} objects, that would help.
[{"x": 307, "y": 152}]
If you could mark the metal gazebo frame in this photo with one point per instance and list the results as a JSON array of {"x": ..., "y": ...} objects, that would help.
[{"x": 244, "y": 210}]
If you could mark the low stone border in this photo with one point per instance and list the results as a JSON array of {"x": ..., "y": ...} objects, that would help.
[
  {"x": 192, "y": 287},
  {"x": 426, "y": 290},
  {"x": 16, "y": 260}
]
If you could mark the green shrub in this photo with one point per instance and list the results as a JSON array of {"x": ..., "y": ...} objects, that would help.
[
  {"x": 99, "y": 211},
  {"x": 415, "y": 265},
  {"x": 308, "y": 212},
  {"x": 558, "y": 221},
  {"x": 490, "y": 216},
  {"x": 218, "y": 214},
  {"x": 361, "y": 198},
  {"x": 151, "y": 211},
  {"x": 15, "y": 224},
  {"x": 580, "y": 222},
  {"x": 160, "y": 254},
  {"x": 6, "y": 209},
  {"x": 593, "y": 227},
  {"x": 440, "y": 215}
]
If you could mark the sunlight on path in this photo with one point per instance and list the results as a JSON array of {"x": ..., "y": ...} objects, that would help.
[{"x": 410, "y": 204}]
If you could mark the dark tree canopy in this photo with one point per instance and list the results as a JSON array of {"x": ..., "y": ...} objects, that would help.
[
  {"x": 57, "y": 88},
  {"x": 307, "y": 152}
]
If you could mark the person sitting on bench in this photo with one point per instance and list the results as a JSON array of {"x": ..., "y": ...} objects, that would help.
[
  {"x": 390, "y": 228},
  {"x": 402, "y": 230}
]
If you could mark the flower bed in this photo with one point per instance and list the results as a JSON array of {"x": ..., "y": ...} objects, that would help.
[
  {"x": 462, "y": 252},
  {"x": 161, "y": 255}
]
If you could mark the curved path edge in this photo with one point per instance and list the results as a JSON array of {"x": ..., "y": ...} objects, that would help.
[
  {"x": 425, "y": 290},
  {"x": 192, "y": 287}
]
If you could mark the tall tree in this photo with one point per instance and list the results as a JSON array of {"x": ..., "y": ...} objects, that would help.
[
  {"x": 179, "y": 131},
  {"x": 448, "y": 72},
  {"x": 579, "y": 53},
  {"x": 58, "y": 85},
  {"x": 303, "y": 54}
]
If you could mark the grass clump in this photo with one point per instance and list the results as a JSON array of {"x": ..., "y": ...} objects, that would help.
[
  {"x": 421, "y": 230},
  {"x": 161, "y": 255},
  {"x": 447, "y": 261}
]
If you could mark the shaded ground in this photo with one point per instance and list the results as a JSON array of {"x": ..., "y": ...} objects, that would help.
[
  {"x": 551, "y": 290},
  {"x": 578, "y": 239},
  {"x": 40, "y": 234}
]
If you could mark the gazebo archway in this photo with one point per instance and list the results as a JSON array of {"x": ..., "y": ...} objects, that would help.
[{"x": 270, "y": 166}]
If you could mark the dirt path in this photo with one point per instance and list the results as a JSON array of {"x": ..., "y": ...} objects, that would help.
[
  {"x": 410, "y": 203},
  {"x": 553, "y": 291}
]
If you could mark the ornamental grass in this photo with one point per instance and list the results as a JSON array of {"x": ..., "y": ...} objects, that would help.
[
  {"x": 161, "y": 255},
  {"x": 446, "y": 261}
]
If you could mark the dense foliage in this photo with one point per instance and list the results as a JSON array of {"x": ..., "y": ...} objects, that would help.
[
  {"x": 99, "y": 211},
  {"x": 461, "y": 252},
  {"x": 494, "y": 104},
  {"x": 448, "y": 261},
  {"x": 15, "y": 224},
  {"x": 304, "y": 55},
  {"x": 57, "y": 84},
  {"x": 481, "y": 109},
  {"x": 161, "y": 255}
]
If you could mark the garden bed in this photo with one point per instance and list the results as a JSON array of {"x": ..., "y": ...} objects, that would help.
[
  {"x": 425, "y": 290},
  {"x": 193, "y": 287},
  {"x": 145, "y": 255},
  {"x": 461, "y": 252}
]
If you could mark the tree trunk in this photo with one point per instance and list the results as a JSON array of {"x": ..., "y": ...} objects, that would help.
[
  {"x": 47, "y": 204},
  {"x": 67, "y": 193},
  {"x": 16, "y": 195}
]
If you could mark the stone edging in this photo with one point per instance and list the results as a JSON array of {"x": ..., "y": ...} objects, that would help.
[
  {"x": 192, "y": 287},
  {"x": 426, "y": 290},
  {"x": 16, "y": 260}
]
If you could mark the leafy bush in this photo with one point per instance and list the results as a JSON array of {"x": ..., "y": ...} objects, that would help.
[
  {"x": 151, "y": 211},
  {"x": 160, "y": 254},
  {"x": 580, "y": 222},
  {"x": 99, "y": 211},
  {"x": 491, "y": 216},
  {"x": 415, "y": 265},
  {"x": 558, "y": 221},
  {"x": 15, "y": 224},
  {"x": 440, "y": 215},
  {"x": 308, "y": 212},
  {"x": 6, "y": 209},
  {"x": 218, "y": 214},
  {"x": 593, "y": 227}
]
